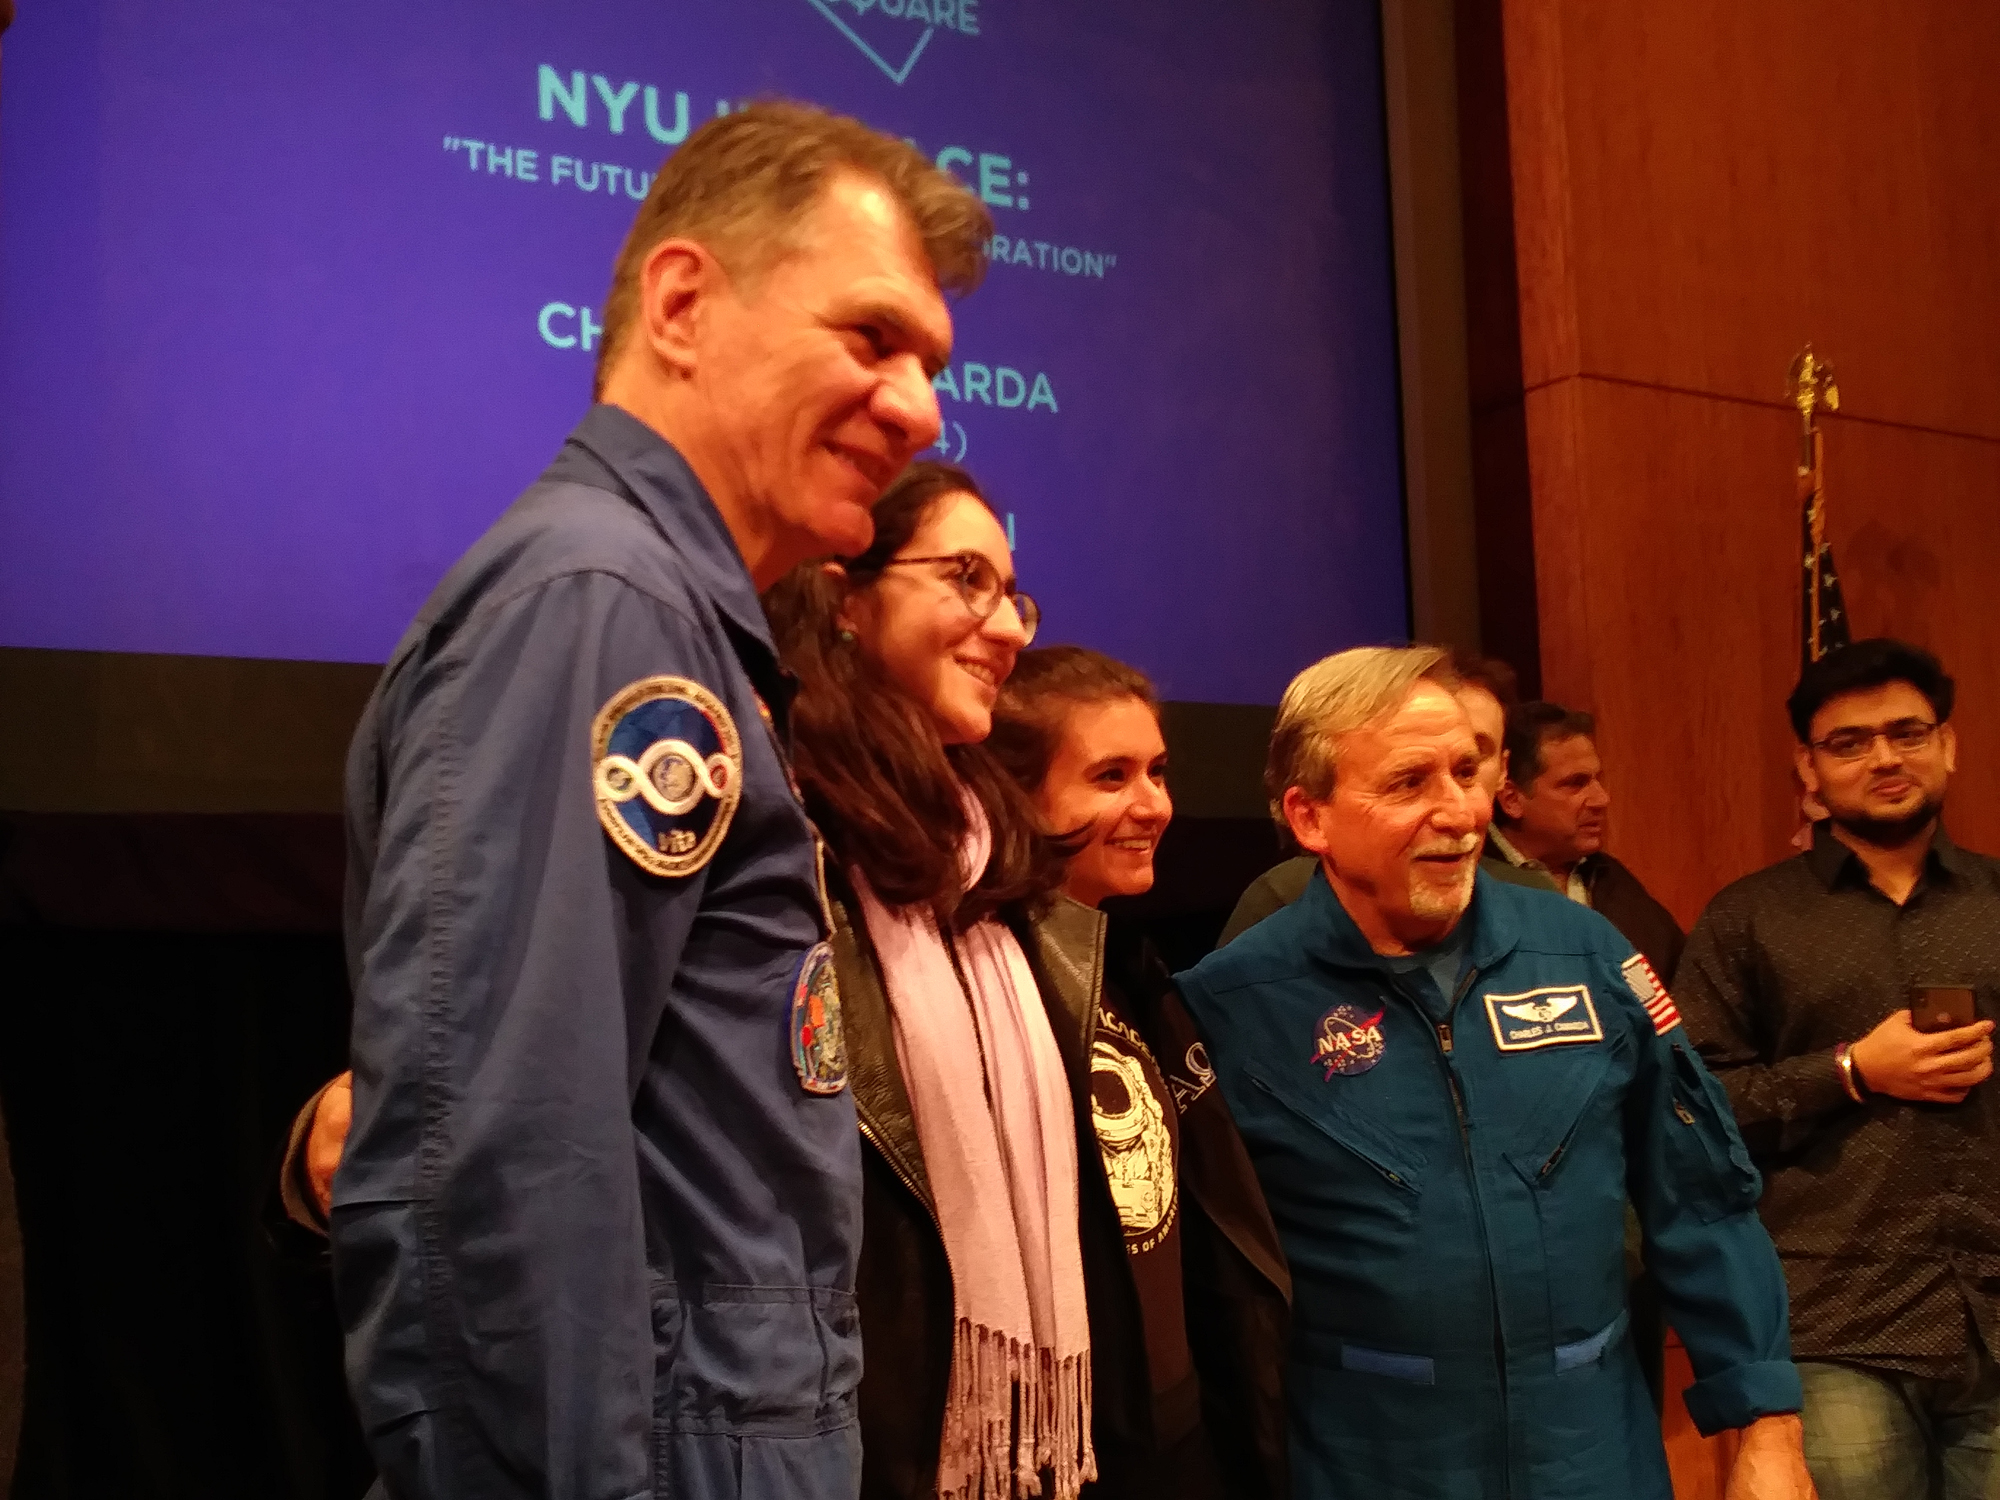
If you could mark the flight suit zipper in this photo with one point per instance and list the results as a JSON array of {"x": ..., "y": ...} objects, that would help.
[{"x": 1442, "y": 1034}]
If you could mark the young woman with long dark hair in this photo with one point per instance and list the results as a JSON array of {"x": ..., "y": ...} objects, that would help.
[
  {"x": 1017, "y": 1333},
  {"x": 1201, "y": 1312},
  {"x": 959, "y": 1008}
]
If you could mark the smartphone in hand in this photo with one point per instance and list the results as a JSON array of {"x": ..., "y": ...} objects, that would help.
[{"x": 1940, "y": 1007}]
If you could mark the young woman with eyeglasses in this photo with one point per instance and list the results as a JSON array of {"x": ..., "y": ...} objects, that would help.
[
  {"x": 1010, "y": 1342},
  {"x": 959, "y": 1008}
]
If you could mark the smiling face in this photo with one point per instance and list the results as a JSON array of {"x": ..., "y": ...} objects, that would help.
[
  {"x": 810, "y": 381},
  {"x": 1400, "y": 836},
  {"x": 917, "y": 628},
  {"x": 1109, "y": 777},
  {"x": 1885, "y": 795}
]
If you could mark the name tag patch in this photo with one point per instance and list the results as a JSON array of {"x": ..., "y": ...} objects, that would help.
[{"x": 1553, "y": 1016}]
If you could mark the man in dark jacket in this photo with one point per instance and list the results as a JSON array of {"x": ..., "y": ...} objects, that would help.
[{"x": 1549, "y": 818}]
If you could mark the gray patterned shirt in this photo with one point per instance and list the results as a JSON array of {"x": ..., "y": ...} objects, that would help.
[{"x": 1886, "y": 1214}]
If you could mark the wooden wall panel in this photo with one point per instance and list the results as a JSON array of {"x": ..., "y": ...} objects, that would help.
[
  {"x": 1665, "y": 522},
  {"x": 1915, "y": 521},
  {"x": 1665, "y": 540},
  {"x": 1703, "y": 185},
  {"x": 1698, "y": 188}
]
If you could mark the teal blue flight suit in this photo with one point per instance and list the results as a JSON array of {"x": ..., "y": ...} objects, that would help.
[{"x": 1449, "y": 1177}]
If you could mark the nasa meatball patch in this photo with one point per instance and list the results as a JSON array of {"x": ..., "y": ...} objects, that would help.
[
  {"x": 1555, "y": 1016},
  {"x": 1349, "y": 1040},
  {"x": 667, "y": 772}
]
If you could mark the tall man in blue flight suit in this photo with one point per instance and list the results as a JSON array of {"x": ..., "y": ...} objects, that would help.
[
  {"x": 595, "y": 1230},
  {"x": 1448, "y": 1085}
]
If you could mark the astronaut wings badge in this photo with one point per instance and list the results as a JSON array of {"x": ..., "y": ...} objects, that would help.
[
  {"x": 667, "y": 771},
  {"x": 1553, "y": 1016}
]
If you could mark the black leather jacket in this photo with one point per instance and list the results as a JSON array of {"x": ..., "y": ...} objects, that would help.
[{"x": 1237, "y": 1287}]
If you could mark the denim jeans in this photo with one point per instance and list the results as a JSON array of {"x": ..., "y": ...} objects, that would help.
[{"x": 1876, "y": 1435}]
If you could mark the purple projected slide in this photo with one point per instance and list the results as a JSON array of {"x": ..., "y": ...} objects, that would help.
[{"x": 294, "y": 299}]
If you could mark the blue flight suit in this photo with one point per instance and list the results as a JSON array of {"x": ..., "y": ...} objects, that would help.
[
  {"x": 1449, "y": 1181},
  {"x": 596, "y": 1228}
]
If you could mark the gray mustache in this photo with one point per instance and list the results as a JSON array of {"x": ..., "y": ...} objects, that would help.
[{"x": 1456, "y": 846}]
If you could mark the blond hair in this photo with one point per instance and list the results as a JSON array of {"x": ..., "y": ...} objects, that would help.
[
  {"x": 1335, "y": 696},
  {"x": 741, "y": 186}
]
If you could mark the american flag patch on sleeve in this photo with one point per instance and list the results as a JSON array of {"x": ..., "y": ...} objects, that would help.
[{"x": 1652, "y": 994}]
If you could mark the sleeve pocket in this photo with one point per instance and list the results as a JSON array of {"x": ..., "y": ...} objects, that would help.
[{"x": 1709, "y": 1162}]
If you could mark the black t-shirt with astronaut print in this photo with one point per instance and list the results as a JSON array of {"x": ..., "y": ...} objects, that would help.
[{"x": 1138, "y": 1137}]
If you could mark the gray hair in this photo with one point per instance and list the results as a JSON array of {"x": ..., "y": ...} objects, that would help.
[
  {"x": 744, "y": 182},
  {"x": 1333, "y": 697}
]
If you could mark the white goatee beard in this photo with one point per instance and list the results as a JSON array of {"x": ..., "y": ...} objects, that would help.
[{"x": 1431, "y": 903}]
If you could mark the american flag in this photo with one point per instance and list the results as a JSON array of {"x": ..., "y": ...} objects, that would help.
[
  {"x": 1652, "y": 994},
  {"x": 1822, "y": 610}
]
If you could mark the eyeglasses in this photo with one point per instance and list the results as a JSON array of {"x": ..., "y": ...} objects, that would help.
[
  {"x": 978, "y": 584},
  {"x": 1906, "y": 735}
]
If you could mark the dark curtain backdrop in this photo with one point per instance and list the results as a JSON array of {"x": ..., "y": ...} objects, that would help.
[{"x": 174, "y": 989}]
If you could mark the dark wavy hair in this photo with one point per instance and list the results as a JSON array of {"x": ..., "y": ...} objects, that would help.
[
  {"x": 880, "y": 783},
  {"x": 1871, "y": 663},
  {"x": 1531, "y": 728},
  {"x": 1047, "y": 683}
]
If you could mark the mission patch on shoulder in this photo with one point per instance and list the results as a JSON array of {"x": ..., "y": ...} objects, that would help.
[
  {"x": 819, "y": 1053},
  {"x": 667, "y": 769},
  {"x": 1553, "y": 1016}
]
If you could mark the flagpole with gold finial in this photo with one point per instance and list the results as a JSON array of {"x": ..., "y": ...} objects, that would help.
[{"x": 1813, "y": 391}]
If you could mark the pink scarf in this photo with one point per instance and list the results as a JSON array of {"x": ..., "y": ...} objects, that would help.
[{"x": 998, "y": 1133}]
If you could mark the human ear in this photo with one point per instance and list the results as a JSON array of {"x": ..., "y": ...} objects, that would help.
[
  {"x": 1802, "y": 761},
  {"x": 855, "y": 612},
  {"x": 1948, "y": 743},
  {"x": 1302, "y": 817},
  {"x": 677, "y": 283},
  {"x": 1510, "y": 800}
]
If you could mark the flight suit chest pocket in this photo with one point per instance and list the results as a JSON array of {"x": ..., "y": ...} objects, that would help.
[
  {"x": 1351, "y": 1163},
  {"x": 1562, "y": 1105},
  {"x": 1707, "y": 1157}
]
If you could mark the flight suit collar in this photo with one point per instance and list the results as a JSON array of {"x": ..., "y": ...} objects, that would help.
[
  {"x": 1331, "y": 934},
  {"x": 660, "y": 479}
]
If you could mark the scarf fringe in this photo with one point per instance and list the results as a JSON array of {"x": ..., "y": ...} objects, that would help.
[{"x": 986, "y": 1454}]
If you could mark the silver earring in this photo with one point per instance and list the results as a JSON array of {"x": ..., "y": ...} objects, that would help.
[{"x": 846, "y": 637}]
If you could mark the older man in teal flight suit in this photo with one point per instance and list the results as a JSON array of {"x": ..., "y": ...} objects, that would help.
[{"x": 1449, "y": 1085}]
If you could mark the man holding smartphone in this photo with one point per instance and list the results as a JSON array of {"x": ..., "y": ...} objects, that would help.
[{"x": 1845, "y": 997}]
